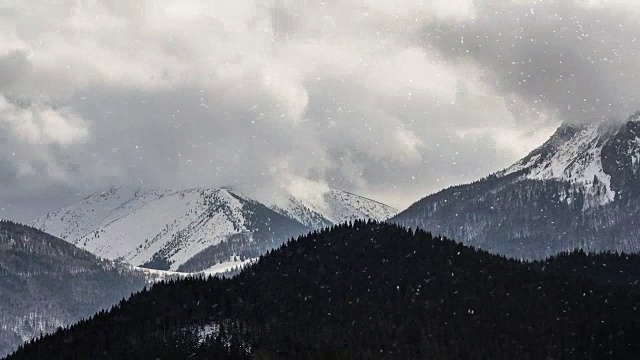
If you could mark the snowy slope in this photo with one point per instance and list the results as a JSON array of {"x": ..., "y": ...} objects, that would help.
[
  {"x": 80, "y": 219},
  {"x": 573, "y": 154},
  {"x": 333, "y": 207},
  {"x": 296, "y": 209},
  {"x": 195, "y": 229},
  {"x": 140, "y": 226}
]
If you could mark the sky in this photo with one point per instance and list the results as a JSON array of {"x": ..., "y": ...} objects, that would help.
[{"x": 392, "y": 100}]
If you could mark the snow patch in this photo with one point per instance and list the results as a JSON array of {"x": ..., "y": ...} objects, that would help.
[{"x": 227, "y": 266}]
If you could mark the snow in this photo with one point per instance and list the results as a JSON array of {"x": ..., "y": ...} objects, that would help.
[
  {"x": 520, "y": 165},
  {"x": 342, "y": 206},
  {"x": 212, "y": 330},
  {"x": 333, "y": 206},
  {"x": 135, "y": 225},
  {"x": 154, "y": 276},
  {"x": 635, "y": 155},
  {"x": 576, "y": 160},
  {"x": 85, "y": 216},
  {"x": 208, "y": 330},
  {"x": 227, "y": 266}
]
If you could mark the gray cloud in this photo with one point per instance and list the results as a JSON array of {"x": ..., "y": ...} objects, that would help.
[
  {"x": 559, "y": 60},
  {"x": 265, "y": 96}
]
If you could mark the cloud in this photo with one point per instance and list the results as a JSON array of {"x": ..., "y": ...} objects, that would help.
[
  {"x": 35, "y": 124},
  {"x": 554, "y": 60},
  {"x": 34, "y": 139},
  {"x": 263, "y": 96}
]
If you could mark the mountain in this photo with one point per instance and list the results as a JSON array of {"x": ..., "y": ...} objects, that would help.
[
  {"x": 195, "y": 229},
  {"x": 333, "y": 207},
  {"x": 186, "y": 230},
  {"x": 579, "y": 190},
  {"x": 46, "y": 283},
  {"x": 374, "y": 291}
]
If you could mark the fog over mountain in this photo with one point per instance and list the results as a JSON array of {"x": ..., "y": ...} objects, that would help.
[
  {"x": 558, "y": 60},
  {"x": 388, "y": 100}
]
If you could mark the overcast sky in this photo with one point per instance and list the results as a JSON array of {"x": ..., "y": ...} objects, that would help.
[{"x": 389, "y": 99}]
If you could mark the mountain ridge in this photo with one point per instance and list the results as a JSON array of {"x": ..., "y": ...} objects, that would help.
[
  {"x": 177, "y": 229},
  {"x": 336, "y": 207},
  {"x": 584, "y": 154},
  {"x": 578, "y": 190}
]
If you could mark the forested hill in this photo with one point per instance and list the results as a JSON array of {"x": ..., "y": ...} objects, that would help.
[
  {"x": 46, "y": 283},
  {"x": 374, "y": 291}
]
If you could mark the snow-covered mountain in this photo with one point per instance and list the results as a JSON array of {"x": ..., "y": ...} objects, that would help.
[
  {"x": 580, "y": 189},
  {"x": 333, "y": 207},
  {"x": 605, "y": 156},
  {"x": 166, "y": 229},
  {"x": 572, "y": 154},
  {"x": 194, "y": 229}
]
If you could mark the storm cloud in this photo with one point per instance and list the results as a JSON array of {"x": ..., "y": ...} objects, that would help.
[
  {"x": 562, "y": 60},
  {"x": 392, "y": 100}
]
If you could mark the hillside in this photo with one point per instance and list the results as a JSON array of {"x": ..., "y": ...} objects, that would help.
[
  {"x": 374, "y": 291},
  {"x": 46, "y": 283}
]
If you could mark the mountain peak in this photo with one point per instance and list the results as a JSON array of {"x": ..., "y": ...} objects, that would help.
[
  {"x": 594, "y": 156},
  {"x": 578, "y": 190}
]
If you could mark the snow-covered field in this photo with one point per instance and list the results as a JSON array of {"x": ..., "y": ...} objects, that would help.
[
  {"x": 154, "y": 275},
  {"x": 227, "y": 266}
]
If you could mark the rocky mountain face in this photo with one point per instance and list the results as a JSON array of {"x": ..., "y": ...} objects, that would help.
[
  {"x": 580, "y": 189},
  {"x": 195, "y": 229},
  {"x": 46, "y": 283}
]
